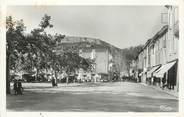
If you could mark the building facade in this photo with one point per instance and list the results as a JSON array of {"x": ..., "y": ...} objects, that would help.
[
  {"x": 106, "y": 57},
  {"x": 100, "y": 56},
  {"x": 159, "y": 57}
]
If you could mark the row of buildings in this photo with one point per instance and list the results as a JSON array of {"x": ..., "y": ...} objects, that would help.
[{"x": 157, "y": 62}]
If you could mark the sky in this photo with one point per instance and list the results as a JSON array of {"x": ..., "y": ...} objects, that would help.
[{"x": 121, "y": 26}]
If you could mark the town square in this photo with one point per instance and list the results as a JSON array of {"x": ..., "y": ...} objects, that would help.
[{"x": 92, "y": 59}]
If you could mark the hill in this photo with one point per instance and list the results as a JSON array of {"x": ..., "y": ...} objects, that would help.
[{"x": 73, "y": 42}]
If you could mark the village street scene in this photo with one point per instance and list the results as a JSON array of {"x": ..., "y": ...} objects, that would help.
[{"x": 92, "y": 58}]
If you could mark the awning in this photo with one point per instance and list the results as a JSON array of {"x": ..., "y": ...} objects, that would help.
[
  {"x": 160, "y": 72},
  {"x": 143, "y": 73},
  {"x": 149, "y": 74}
]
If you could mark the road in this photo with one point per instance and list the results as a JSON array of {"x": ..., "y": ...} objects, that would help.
[{"x": 90, "y": 97}]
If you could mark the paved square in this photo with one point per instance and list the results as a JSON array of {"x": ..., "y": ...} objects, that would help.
[{"x": 90, "y": 97}]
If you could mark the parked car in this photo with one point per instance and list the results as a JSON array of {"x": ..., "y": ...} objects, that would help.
[
  {"x": 29, "y": 77},
  {"x": 104, "y": 77},
  {"x": 42, "y": 77}
]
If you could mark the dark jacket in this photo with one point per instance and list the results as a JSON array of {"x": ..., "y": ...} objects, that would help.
[
  {"x": 19, "y": 84},
  {"x": 15, "y": 86}
]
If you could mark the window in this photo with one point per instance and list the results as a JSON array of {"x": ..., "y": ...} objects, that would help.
[
  {"x": 164, "y": 41},
  {"x": 172, "y": 43},
  {"x": 176, "y": 14},
  {"x": 175, "y": 45},
  {"x": 158, "y": 44},
  {"x": 164, "y": 18},
  {"x": 158, "y": 57},
  {"x": 153, "y": 49}
]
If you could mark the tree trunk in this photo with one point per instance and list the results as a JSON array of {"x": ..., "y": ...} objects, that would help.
[
  {"x": 67, "y": 78},
  {"x": 55, "y": 74},
  {"x": 37, "y": 74},
  {"x": 8, "y": 74}
]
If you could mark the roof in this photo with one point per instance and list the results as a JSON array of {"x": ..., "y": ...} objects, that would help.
[
  {"x": 147, "y": 42},
  {"x": 159, "y": 34}
]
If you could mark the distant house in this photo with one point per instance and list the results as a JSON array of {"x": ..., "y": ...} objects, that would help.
[
  {"x": 107, "y": 58},
  {"x": 100, "y": 56}
]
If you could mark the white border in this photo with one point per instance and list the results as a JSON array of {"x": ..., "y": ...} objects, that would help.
[
  {"x": 2, "y": 58},
  {"x": 5, "y": 3},
  {"x": 92, "y": 2}
]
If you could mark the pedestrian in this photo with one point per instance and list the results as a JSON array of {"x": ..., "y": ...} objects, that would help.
[
  {"x": 19, "y": 87},
  {"x": 15, "y": 86},
  {"x": 115, "y": 77},
  {"x": 152, "y": 80},
  {"x": 53, "y": 82},
  {"x": 172, "y": 83},
  {"x": 164, "y": 82},
  {"x": 169, "y": 82}
]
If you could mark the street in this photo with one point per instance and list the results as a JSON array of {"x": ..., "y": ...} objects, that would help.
[{"x": 92, "y": 97}]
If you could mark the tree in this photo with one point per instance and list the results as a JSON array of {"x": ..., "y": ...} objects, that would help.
[
  {"x": 27, "y": 51},
  {"x": 36, "y": 50},
  {"x": 130, "y": 54},
  {"x": 15, "y": 45}
]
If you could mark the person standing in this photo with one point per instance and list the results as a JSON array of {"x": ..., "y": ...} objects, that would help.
[
  {"x": 152, "y": 80},
  {"x": 19, "y": 87},
  {"x": 53, "y": 82},
  {"x": 15, "y": 86},
  {"x": 164, "y": 82},
  {"x": 172, "y": 82}
]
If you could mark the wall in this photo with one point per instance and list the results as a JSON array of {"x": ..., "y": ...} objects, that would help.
[
  {"x": 152, "y": 56},
  {"x": 101, "y": 60},
  {"x": 172, "y": 43},
  {"x": 85, "y": 53},
  {"x": 100, "y": 55},
  {"x": 161, "y": 50},
  {"x": 140, "y": 61}
]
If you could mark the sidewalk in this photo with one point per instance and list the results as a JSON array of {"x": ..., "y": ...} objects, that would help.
[{"x": 170, "y": 92}]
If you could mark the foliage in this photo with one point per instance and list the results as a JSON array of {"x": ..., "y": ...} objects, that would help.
[
  {"x": 36, "y": 50},
  {"x": 131, "y": 54}
]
